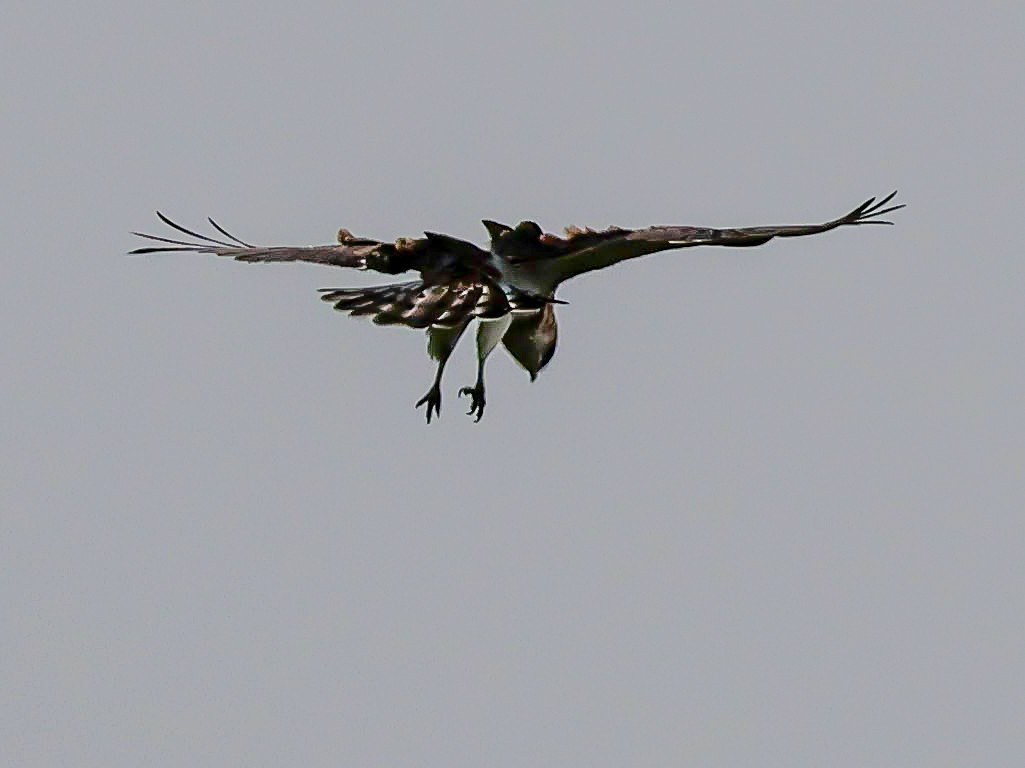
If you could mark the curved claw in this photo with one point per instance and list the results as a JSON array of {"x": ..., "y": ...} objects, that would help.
[
  {"x": 477, "y": 401},
  {"x": 433, "y": 400}
]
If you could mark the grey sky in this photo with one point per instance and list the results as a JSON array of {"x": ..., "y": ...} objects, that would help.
[{"x": 763, "y": 508}]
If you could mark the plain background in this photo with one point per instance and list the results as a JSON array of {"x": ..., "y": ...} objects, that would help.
[{"x": 764, "y": 507}]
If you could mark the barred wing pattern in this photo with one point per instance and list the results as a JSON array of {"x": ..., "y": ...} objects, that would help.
[{"x": 420, "y": 304}]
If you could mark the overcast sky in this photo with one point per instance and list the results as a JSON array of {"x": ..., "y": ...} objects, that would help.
[{"x": 763, "y": 508}]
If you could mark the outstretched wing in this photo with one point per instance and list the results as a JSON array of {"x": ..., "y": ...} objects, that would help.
[
  {"x": 420, "y": 304},
  {"x": 350, "y": 251},
  {"x": 586, "y": 250}
]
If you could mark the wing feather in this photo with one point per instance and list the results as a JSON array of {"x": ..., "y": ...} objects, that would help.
[
  {"x": 585, "y": 250},
  {"x": 354, "y": 253},
  {"x": 419, "y": 304}
]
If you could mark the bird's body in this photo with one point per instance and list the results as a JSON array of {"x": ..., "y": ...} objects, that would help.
[{"x": 509, "y": 289}]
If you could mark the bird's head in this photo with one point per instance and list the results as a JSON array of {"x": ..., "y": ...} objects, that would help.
[{"x": 528, "y": 230}]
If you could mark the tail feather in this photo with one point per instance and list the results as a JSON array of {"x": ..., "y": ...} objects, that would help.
[{"x": 531, "y": 339}]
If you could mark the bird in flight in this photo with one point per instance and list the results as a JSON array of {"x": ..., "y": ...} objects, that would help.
[{"x": 509, "y": 289}]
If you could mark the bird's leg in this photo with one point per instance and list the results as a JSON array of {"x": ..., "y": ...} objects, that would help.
[
  {"x": 440, "y": 343},
  {"x": 476, "y": 393},
  {"x": 489, "y": 333},
  {"x": 433, "y": 396}
]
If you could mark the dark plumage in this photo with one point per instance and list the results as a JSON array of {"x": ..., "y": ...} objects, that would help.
[{"x": 510, "y": 289}]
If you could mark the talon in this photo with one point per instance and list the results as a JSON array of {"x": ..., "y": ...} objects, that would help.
[
  {"x": 477, "y": 401},
  {"x": 433, "y": 400}
]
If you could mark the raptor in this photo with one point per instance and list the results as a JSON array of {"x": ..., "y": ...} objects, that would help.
[{"x": 509, "y": 289}]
